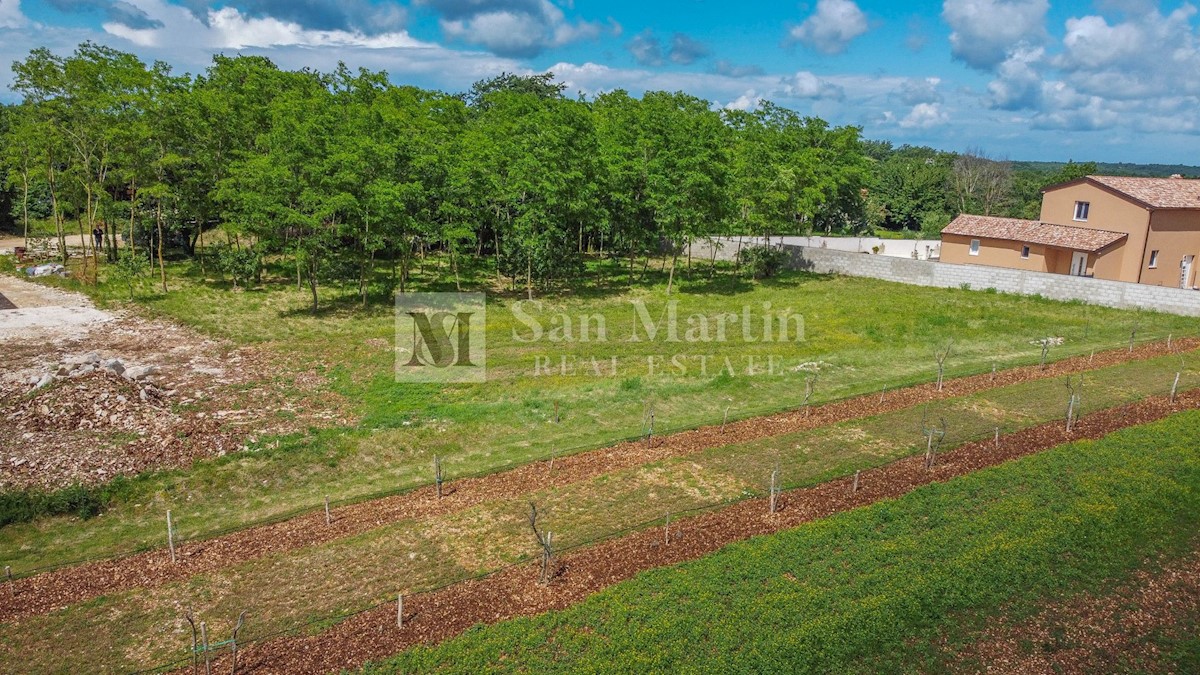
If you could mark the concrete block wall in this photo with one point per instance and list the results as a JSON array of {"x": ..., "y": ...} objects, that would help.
[{"x": 1117, "y": 294}]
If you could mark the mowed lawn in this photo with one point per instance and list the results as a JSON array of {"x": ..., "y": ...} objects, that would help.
[
  {"x": 860, "y": 335},
  {"x": 868, "y": 590}
]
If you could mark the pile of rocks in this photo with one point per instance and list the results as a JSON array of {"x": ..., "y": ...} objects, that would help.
[{"x": 86, "y": 364}]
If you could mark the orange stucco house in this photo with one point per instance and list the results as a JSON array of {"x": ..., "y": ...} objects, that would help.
[{"x": 1140, "y": 230}]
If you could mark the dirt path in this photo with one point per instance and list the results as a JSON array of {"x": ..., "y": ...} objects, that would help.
[
  {"x": 1093, "y": 634},
  {"x": 512, "y": 592},
  {"x": 62, "y": 587},
  {"x": 69, "y": 420}
]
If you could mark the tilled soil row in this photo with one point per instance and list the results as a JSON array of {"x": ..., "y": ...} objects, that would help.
[
  {"x": 59, "y": 588},
  {"x": 433, "y": 617}
]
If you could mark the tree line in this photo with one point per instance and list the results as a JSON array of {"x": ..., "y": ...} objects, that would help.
[{"x": 347, "y": 177}]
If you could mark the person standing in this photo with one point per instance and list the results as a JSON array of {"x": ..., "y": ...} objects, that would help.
[{"x": 98, "y": 236}]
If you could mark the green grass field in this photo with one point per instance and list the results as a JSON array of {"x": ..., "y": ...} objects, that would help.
[
  {"x": 865, "y": 334},
  {"x": 328, "y": 581},
  {"x": 856, "y": 592}
]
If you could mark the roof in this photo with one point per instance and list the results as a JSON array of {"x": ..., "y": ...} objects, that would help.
[
  {"x": 1152, "y": 193},
  {"x": 1033, "y": 232}
]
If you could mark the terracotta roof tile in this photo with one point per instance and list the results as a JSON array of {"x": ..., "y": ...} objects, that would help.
[
  {"x": 1158, "y": 193},
  {"x": 1033, "y": 232}
]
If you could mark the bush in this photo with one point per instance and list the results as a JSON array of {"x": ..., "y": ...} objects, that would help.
[
  {"x": 23, "y": 506},
  {"x": 763, "y": 262},
  {"x": 241, "y": 265}
]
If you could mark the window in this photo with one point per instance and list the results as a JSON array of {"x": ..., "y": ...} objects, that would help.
[
  {"x": 1081, "y": 210},
  {"x": 1024, "y": 251},
  {"x": 974, "y": 247},
  {"x": 1153, "y": 259}
]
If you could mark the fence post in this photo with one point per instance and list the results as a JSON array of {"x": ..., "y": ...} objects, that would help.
[
  {"x": 171, "y": 535},
  {"x": 12, "y": 592},
  {"x": 400, "y": 610},
  {"x": 204, "y": 645},
  {"x": 854, "y": 490}
]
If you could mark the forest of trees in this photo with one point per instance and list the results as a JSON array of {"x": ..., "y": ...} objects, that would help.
[{"x": 348, "y": 177}]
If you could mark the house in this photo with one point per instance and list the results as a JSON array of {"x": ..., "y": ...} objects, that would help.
[{"x": 1140, "y": 230}]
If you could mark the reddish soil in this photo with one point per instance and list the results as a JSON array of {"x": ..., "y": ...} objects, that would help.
[
  {"x": 69, "y": 585},
  {"x": 439, "y": 615},
  {"x": 1092, "y": 634}
]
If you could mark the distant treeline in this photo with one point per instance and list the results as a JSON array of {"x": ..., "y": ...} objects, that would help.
[{"x": 339, "y": 172}]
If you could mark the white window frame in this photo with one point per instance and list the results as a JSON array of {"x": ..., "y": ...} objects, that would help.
[
  {"x": 1154, "y": 260},
  {"x": 974, "y": 247},
  {"x": 1025, "y": 253},
  {"x": 1084, "y": 208}
]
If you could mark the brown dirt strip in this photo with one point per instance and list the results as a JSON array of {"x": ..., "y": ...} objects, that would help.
[
  {"x": 436, "y": 616},
  {"x": 1093, "y": 634},
  {"x": 59, "y": 588}
]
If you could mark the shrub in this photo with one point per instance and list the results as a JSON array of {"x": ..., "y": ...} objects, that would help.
[{"x": 763, "y": 262}]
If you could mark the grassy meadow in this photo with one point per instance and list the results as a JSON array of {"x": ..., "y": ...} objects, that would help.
[{"x": 861, "y": 334}]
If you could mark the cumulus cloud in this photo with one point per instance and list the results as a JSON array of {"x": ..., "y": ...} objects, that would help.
[
  {"x": 805, "y": 84},
  {"x": 985, "y": 31},
  {"x": 924, "y": 116},
  {"x": 686, "y": 50},
  {"x": 11, "y": 15},
  {"x": 920, "y": 90},
  {"x": 1019, "y": 83},
  {"x": 747, "y": 101},
  {"x": 516, "y": 28},
  {"x": 832, "y": 27},
  {"x": 348, "y": 15},
  {"x": 646, "y": 49}
]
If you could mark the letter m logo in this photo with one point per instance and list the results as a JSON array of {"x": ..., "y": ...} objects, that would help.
[{"x": 440, "y": 337}]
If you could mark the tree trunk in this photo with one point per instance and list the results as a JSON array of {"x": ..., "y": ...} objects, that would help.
[
  {"x": 162, "y": 268},
  {"x": 312, "y": 282},
  {"x": 529, "y": 276},
  {"x": 671, "y": 277}
]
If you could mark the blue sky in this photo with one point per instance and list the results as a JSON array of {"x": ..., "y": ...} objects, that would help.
[{"x": 1110, "y": 80}]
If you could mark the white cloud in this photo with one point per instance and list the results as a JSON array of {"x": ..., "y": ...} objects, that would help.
[
  {"x": 807, "y": 85},
  {"x": 517, "y": 28},
  {"x": 985, "y": 31},
  {"x": 1019, "y": 83},
  {"x": 646, "y": 49},
  {"x": 832, "y": 27},
  {"x": 920, "y": 90},
  {"x": 10, "y": 14},
  {"x": 747, "y": 101},
  {"x": 924, "y": 116}
]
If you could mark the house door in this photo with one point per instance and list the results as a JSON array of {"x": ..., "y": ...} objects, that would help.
[
  {"x": 1185, "y": 271},
  {"x": 1079, "y": 263}
]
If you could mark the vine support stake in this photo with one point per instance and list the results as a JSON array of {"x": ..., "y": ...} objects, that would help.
[
  {"x": 854, "y": 490},
  {"x": 12, "y": 592},
  {"x": 328, "y": 519},
  {"x": 650, "y": 431},
  {"x": 667, "y": 531},
  {"x": 437, "y": 474},
  {"x": 556, "y": 417},
  {"x": 997, "y": 439},
  {"x": 881, "y": 395},
  {"x": 399, "y": 610},
  {"x": 724, "y": 419},
  {"x": 774, "y": 489},
  {"x": 204, "y": 646},
  {"x": 171, "y": 535},
  {"x": 1175, "y": 386},
  {"x": 192, "y": 622}
]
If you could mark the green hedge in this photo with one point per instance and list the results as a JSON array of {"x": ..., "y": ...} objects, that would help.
[{"x": 862, "y": 590}]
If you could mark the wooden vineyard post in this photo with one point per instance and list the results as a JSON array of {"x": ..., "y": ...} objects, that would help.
[
  {"x": 774, "y": 490},
  {"x": 437, "y": 474},
  {"x": 724, "y": 419},
  {"x": 667, "y": 531},
  {"x": 204, "y": 646},
  {"x": 328, "y": 519},
  {"x": 1092, "y": 357},
  {"x": 993, "y": 371},
  {"x": 1169, "y": 336},
  {"x": 556, "y": 417},
  {"x": 854, "y": 489},
  {"x": 233, "y": 642},
  {"x": 996, "y": 440},
  {"x": 171, "y": 535},
  {"x": 1175, "y": 386},
  {"x": 399, "y": 610},
  {"x": 650, "y": 431},
  {"x": 12, "y": 592}
]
